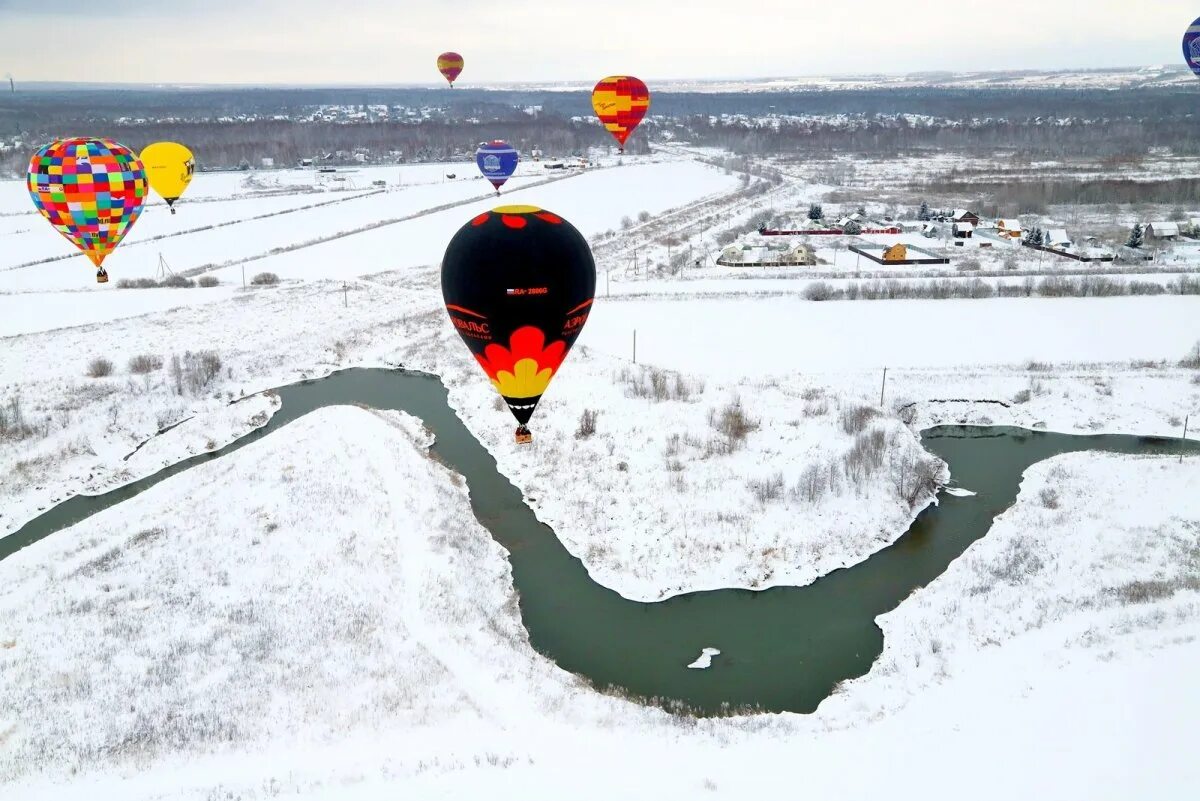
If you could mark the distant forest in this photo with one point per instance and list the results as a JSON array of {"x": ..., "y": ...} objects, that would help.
[{"x": 1029, "y": 123}]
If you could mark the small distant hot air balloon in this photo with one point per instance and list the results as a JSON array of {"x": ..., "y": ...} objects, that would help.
[
  {"x": 450, "y": 64},
  {"x": 518, "y": 283},
  {"x": 497, "y": 161},
  {"x": 91, "y": 190},
  {"x": 620, "y": 102},
  {"x": 169, "y": 167},
  {"x": 1191, "y": 46}
]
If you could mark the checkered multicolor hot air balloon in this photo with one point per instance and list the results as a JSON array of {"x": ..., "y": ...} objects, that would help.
[
  {"x": 91, "y": 190},
  {"x": 450, "y": 64},
  {"x": 620, "y": 102}
]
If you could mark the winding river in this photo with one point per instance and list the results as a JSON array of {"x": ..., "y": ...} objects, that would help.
[{"x": 781, "y": 649}]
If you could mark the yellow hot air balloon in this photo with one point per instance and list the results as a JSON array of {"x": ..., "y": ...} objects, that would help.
[{"x": 169, "y": 167}]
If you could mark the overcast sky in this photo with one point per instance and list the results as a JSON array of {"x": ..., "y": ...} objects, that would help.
[{"x": 397, "y": 41}]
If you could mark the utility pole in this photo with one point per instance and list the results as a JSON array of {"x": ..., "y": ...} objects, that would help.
[
  {"x": 243, "y": 275},
  {"x": 635, "y": 346},
  {"x": 882, "y": 388},
  {"x": 606, "y": 272},
  {"x": 1183, "y": 441},
  {"x": 345, "y": 295}
]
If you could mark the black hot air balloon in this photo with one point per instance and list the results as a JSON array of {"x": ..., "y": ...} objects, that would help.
[{"x": 518, "y": 283}]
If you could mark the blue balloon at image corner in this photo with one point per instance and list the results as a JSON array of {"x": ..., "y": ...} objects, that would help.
[
  {"x": 1191, "y": 46},
  {"x": 497, "y": 161}
]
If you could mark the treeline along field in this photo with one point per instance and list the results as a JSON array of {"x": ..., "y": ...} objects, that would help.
[{"x": 228, "y": 126}]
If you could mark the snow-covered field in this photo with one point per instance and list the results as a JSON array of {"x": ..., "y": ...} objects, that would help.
[
  {"x": 776, "y": 336},
  {"x": 432, "y": 678}
]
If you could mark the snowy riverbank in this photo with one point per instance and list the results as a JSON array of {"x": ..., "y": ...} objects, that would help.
[{"x": 383, "y": 619}]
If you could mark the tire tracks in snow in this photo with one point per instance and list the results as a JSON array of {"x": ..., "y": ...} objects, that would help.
[
  {"x": 376, "y": 225},
  {"x": 213, "y": 227}
]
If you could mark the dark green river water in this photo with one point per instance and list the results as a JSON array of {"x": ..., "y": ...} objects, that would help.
[{"x": 781, "y": 649}]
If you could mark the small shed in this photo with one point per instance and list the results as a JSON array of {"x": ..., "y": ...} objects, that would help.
[{"x": 964, "y": 230}]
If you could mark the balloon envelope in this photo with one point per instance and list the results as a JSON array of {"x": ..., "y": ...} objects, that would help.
[
  {"x": 450, "y": 64},
  {"x": 1191, "y": 46},
  {"x": 169, "y": 167},
  {"x": 91, "y": 191},
  {"x": 620, "y": 101},
  {"x": 518, "y": 283},
  {"x": 497, "y": 161}
]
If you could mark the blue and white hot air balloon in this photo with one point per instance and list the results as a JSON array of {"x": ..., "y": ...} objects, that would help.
[
  {"x": 1191, "y": 46},
  {"x": 497, "y": 161}
]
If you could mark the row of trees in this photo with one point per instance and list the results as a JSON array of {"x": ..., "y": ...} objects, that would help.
[{"x": 228, "y": 145}]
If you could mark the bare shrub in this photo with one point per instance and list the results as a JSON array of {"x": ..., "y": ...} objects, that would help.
[
  {"x": 660, "y": 385},
  {"x": 265, "y": 279},
  {"x": 865, "y": 457},
  {"x": 767, "y": 489},
  {"x": 1049, "y": 497},
  {"x": 855, "y": 419},
  {"x": 177, "y": 282},
  {"x": 969, "y": 265},
  {"x": 643, "y": 216},
  {"x": 924, "y": 478},
  {"x": 12, "y": 420},
  {"x": 818, "y": 409},
  {"x": 1140, "y": 592},
  {"x": 818, "y": 290},
  {"x": 1036, "y": 366},
  {"x": 732, "y": 422},
  {"x": 177, "y": 374},
  {"x": 99, "y": 368},
  {"x": 208, "y": 281},
  {"x": 1018, "y": 562},
  {"x": 587, "y": 424},
  {"x": 136, "y": 283},
  {"x": 195, "y": 371},
  {"x": 145, "y": 363},
  {"x": 1022, "y": 396},
  {"x": 812, "y": 484},
  {"x": 1192, "y": 360}
]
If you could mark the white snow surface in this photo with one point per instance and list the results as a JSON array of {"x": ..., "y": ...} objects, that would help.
[
  {"x": 774, "y": 336},
  {"x": 704, "y": 661}
]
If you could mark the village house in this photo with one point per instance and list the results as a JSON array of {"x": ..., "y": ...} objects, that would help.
[
  {"x": 965, "y": 216},
  {"x": 751, "y": 256},
  {"x": 1162, "y": 230},
  {"x": 1056, "y": 238},
  {"x": 963, "y": 230},
  {"x": 1010, "y": 228}
]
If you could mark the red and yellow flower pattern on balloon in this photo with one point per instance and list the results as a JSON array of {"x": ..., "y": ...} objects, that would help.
[{"x": 525, "y": 367}]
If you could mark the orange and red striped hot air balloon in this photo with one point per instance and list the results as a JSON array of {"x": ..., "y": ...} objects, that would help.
[
  {"x": 620, "y": 102},
  {"x": 450, "y": 64}
]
